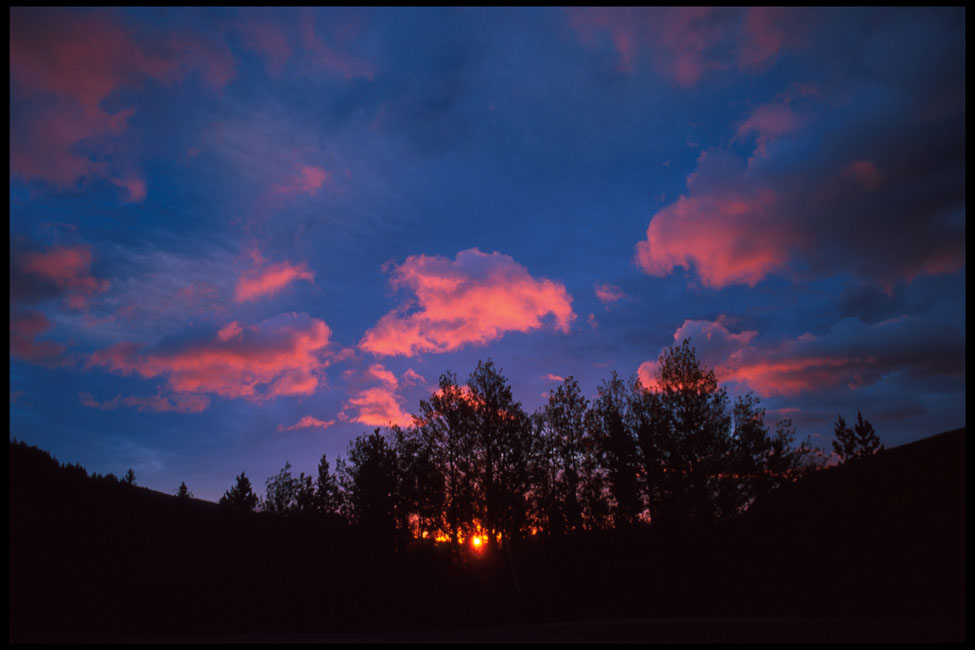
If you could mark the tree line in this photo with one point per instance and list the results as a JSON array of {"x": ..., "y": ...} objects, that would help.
[{"x": 474, "y": 464}]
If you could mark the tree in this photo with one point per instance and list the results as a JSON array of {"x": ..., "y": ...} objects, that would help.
[
  {"x": 609, "y": 420},
  {"x": 695, "y": 441},
  {"x": 502, "y": 443},
  {"x": 328, "y": 498},
  {"x": 371, "y": 477},
  {"x": 240, "y": 497},
  {"x": 280, "y": 492},
  {"x": 129, "y": 478},
  {"x": 184, "y": 493},
  {"x": 445, "y": 431},
  {"x": 857, "y": 442},
  {"x": 557, "y": 476}
]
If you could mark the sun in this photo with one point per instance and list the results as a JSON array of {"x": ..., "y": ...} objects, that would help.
[{"x": 477, "y": 541}]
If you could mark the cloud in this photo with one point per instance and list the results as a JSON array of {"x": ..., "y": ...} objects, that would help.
[
  {"x": 308, "y": 181},
  {"x": 278, "y": 356},
  {"x": 474, "y": 299},
  {"x": 186, "y": 403},
  {"x": 378, "y": 371},
  {"x": 25, "y": 327},
  {"x": 832, "y": 187},
  {"x": 851, "y": 355},
  {"x": 551, "y": 377},
  {"x": 261, "y": 33},
  {"x": 685, "y": 44},
  {"x": 377, "y": 406},
  {"x": 727, "y": 238},
  {"x": 68, "y": 268},
  {"x": 608, "y": 293},
  {"x": 271, "y": 280},
  {"x": 64, "y": 63},
  {"x": 307, "y": 422},
  {"x": 334, "y": 59}
]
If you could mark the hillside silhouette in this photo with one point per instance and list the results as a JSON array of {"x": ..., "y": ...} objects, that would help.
[{"x": 879, "y": 541}]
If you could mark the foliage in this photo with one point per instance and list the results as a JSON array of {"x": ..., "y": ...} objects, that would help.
[
  {"x": 857, "y": 442},
  {"x": 183, "y": 492},
  {"x": 240, "y": 497}
]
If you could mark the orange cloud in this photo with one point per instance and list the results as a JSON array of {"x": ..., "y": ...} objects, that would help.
[
  {"x": 307, "y": 422},
  {"x": 473, "y": 299},
  {"x": 279, "y": 356},
  {"x": 271, "y": 280}
]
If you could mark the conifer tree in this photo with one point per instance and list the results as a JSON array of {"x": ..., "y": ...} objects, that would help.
[
  {"x": 241, "y": 496},
  {"x": 857, "y": 442}
]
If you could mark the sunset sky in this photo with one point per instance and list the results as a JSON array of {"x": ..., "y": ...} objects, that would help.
[{"x": 242, "y": 237}]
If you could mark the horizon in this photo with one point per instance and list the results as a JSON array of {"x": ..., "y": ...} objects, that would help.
[{"x": 241, "y": 237}]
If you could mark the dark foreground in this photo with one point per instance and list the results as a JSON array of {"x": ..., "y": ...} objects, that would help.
[
  {"x": 873, "y": 551},
  {"x": 685, "y": 630}
]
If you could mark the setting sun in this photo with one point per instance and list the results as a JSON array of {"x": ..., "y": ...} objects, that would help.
[{"x": 477, "y": 541}]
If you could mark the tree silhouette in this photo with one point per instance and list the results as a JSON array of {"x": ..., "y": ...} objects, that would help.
[
  {"x": 129, "y": 478},
  {"x": 502, "y": 445},
  {"x": 557, "y": 458},
  {"x": 240, "y": 497},
  {"x": 695, "y": 443},
  {"x": 619, "y": 449},
  {"x": 328, "y": 498},
  {"x": 183, "y": 492},
  {"x": 445, "y": 432},
  {"x": 857, "y": 442},
  {"x": 281, "y": 492},
  {"x": 372, "y": 481}
]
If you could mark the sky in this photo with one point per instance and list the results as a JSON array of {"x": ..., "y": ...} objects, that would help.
[{"x": 241, "y": 237}]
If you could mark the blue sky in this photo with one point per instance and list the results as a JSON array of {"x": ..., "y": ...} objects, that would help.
[{"x": 240, "y": 237}]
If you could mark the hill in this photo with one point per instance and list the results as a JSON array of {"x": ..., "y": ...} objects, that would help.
[{"x": 879, "y": 542}]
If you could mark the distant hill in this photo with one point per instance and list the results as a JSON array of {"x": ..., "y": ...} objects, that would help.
[{"x": 93, "y": 559}]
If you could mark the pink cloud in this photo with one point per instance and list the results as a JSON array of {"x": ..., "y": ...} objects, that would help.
[
  {"x": 378, "y": 371},
  {"x": 864, "y": 172},
  {"x": 186, "y": 403},
  {"x": 307, "y": 422},
  {"x": 68, "y": 62},
  {"x": 647, "y": 374},
  {"x": 271, "y": 280},
  {"x": 261, "y": 34},
  {"x": 608, "y": 293},
  {"x": 551, "y": 377},
  {"x": 771, "y": 121},
  {"x": 308, "y": 181},
  {"x": 67, "y": 267},
  {"x": 25, "y": 327},
  {"x": 688, "y": 43},
  {"x": 728, "y": 239},
  {"x": 413, "y": 378},
  {"x": 767, "y": 31},
  {"x": 278, "y": 356},
  {"x": 334, "y": 59},
  {"x": 377, "y": 406},
  {"x": 473, "y": 299},
  {"x": 852, "y": 354}
]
